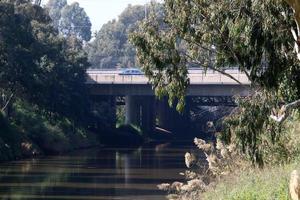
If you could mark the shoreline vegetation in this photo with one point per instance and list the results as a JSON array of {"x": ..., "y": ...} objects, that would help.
[
  {"x": 27, "y": 133},
  {"x": 256, "y": 155},
  {"x": 231, "y": 173},
  {"x": 46, "y": 108}
]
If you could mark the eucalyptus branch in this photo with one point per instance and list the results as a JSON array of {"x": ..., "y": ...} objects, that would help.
[
  {"x": 215, "y": 69},
  {"x": 284, "y": 112},
  {"x": 295, "y": 4},
  {"x": 236, "y": 58},
  {"x": 7, "y": 102}
]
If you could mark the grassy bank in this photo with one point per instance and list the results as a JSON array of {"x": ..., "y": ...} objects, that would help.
[
  {"x": 231, "y": 174},
  {"x": 26, "y": 132},
  {"x": 270, "y": 183}
]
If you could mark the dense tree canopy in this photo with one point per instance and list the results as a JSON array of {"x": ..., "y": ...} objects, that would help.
[
  {"x": 36, "y": 64},
  {"x": 253, "y": 36},
  {"x": 111, "y": 47},
  {"x": 70, "y": 20}
]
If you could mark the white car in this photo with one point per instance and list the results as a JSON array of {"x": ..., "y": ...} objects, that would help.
[{"x": 131, "y": 71}]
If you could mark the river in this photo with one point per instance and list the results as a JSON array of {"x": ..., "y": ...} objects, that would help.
[{"x": 101, "y": 173}]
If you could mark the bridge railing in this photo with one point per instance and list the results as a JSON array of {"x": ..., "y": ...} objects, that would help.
[
  {"x": 217, "y": 78},
  {"x": 195, "y": 78}
]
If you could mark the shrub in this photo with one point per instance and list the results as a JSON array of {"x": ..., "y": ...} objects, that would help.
[
  {"x": 254, "y": 133},
  {"x": 10, "y": 140}
]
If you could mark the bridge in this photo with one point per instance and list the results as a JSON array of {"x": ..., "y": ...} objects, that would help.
[
  {"x": 141, "y": 107},
  {"x": 201, "y": 84}
]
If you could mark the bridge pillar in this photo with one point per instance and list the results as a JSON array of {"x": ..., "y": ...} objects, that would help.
[
  {"x": 148, "y": 115},
  {"x": 113, "y": 110},
  {"x": 132, "y": 110}
]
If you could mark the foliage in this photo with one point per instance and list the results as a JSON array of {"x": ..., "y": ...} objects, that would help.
[
  {"x": 50, "y": 137},
  {"x": 120, "y": 114},
  {"x": 267, "y": 184},
  {"x": 250, "y": 127},
  {"x": 257, "y": 135},
  {"x": 54, "y": 8},
  {"x": 229, "y": 175},
  {"x": 10, "y": 140},
  {"x": 111, "y": 48},
  {"x": 222, "y": 160},
  {"x": 70, "y": 20},
  {"x": 74, "y": 21},
  {"x": 216, "y": 35},
  {"x": 49, "y": 70}
]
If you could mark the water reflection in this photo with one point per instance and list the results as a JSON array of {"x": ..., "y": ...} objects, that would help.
[{"x": 106, "y": 173}]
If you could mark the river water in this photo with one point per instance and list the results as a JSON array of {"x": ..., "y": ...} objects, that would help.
[{"x": 102, "y": 173}]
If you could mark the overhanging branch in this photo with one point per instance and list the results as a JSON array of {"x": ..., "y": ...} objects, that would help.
[
  {"x": 7, "y": 102},
  {"x": 285, "y": 111}
]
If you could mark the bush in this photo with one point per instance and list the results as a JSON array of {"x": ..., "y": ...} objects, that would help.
[
  {"x": 251, "y": 130},
  {"x": 10, "y": 140},
  {"x": 29, "y": 129}
]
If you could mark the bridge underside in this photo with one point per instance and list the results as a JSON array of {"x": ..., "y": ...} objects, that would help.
[{"x": 142, "y": 109}]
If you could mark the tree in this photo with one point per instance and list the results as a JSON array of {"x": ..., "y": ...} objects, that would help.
[
  {"x": 54, "y": 8},
  {"x": 70, "y": 20},
  {"x": 111, "y": 47},
  {"x": 39, "y": 66},
  {"x": 74, "y": 21},
  {"x": 250, "y": 35}
]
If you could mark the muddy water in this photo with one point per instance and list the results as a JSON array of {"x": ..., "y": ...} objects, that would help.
[{"x": 103, "y": 173}]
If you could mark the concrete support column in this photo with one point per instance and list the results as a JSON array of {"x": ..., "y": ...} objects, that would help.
[
  {"x": 132, "y": 110},
  {"x": 148, "y": 114},
  {"x": 113, "y": 110}
]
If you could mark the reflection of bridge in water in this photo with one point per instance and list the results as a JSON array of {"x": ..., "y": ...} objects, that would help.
[{"x": 141, "y": 107}]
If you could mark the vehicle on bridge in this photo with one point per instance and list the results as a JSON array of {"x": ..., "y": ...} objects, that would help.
[{"x": 131, "y": 71}]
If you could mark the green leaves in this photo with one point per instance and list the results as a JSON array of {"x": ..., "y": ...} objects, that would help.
[
  {"x": 39, "y": 66},
  {"x": 252, "y": 130},
  {"x": 253, "y": 36}
]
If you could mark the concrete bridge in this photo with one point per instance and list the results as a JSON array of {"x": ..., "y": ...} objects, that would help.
[{"x": 141, "y": 107}]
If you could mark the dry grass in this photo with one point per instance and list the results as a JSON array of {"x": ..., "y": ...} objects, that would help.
[{"x": 271, "y": 183}]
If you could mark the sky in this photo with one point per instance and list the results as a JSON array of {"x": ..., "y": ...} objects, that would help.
[{"x": 102, "y": 11}]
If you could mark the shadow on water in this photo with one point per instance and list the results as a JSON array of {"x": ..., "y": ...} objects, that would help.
[{"x": 103, "y": 173}]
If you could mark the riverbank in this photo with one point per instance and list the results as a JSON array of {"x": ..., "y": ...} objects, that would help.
[
  {"x": 27, "y": 133},
  {"x": 232, "y": 175},
  {"x": 270, "y": 183}
]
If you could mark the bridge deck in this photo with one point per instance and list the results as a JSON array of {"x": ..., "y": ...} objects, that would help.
[
  {"x": 201, "y": 84},
  {"x": 196, "y": 77}
]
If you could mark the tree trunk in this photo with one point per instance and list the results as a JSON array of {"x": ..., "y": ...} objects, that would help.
[{"x": 295, "y": 4}]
